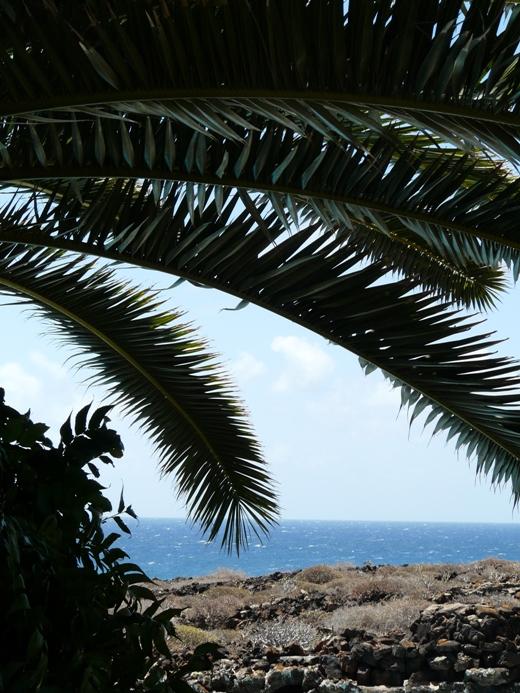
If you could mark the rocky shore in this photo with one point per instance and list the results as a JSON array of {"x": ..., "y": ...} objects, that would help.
[{"x": 445, "y": 628}]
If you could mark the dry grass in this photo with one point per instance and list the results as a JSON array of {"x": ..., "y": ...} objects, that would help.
[
  {"x": 397, "y": 614},
  {"x": 386, "y": 599},
  {"x": 188, "y": 636},
  {"x": 213, "y": 607}
]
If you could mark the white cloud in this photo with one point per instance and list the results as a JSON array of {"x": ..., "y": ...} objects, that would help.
[
  {"x": 306, "y": 363},
  {"x": 21, "y": 388},
  {"x": 53, "y": 368},
  {"x": 247, "y": 367}
]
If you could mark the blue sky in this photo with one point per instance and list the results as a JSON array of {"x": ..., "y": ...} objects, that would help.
[{"x": 331, "y": 435}]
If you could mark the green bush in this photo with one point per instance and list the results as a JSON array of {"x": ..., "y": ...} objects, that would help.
[{"x": 70, "y": 612}]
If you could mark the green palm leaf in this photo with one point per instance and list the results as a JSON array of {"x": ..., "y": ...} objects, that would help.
[
  {"x": 444, "y": 66},
  {"x": 271, "y": 150},
  {"x": 161, "y": 374},
  {"x": 111, "y": 217},
  {"x": 462, "y": 206},
  {"x": 317, "y": 281}
]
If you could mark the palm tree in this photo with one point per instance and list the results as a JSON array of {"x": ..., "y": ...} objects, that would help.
[{"x": 349, "y": 166}]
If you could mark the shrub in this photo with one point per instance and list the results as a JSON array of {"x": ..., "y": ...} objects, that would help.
[
  {"x": 280, "y": 632},
  {"x": 190, "y": 636},
  {"x": 318, "y": 574},
  {"x": 215, "y": 606},
  {"x": 70, "y": 612},
  {"x": 397, "y": 614}
]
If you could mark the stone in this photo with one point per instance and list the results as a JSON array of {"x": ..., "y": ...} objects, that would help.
[
  {"x": 385, "y": 678},
  {"x": 311, "y": 678},
  {"x": 364, "y": 676},
  {"x": 294, "y": 649},
  {"x": 414, "y": 664},
  {"x": 496, "y": 676},
  {"x": 261, "y": 665},
  {"x": 482, "y": 610},
  {"x": 441, "y": 663},
  {"x": 364, "y": 651},
  {"x": 328, "y": 686},
  {"x": 291, "y": 660},
  {"x": 272, "y": 654},
  {"x": 249, "y": 684},
  {"x": 331, "y": 667},
  {"x": 471, "y": 635},
  {"x": 471, "y": 650},
  {"x": 426, "y": 648},
  {"x": 221, "y": 681},
  {"x": 279, "y": 678},
  {"x": 464, "y": 662},
  {"x": 381, "y": 652},
  {"x": 399, "y": 665},
  {"x": 349, "y": 665},
  {"x": 417, "y": 683},
  {"x": 444, "y": 646},
  {"x": 509, "y": 660}
]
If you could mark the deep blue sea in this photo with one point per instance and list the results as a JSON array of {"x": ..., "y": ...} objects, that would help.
[{"x": 171, "y": 548}]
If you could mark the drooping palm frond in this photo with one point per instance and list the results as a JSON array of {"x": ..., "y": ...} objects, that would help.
[
  {"x": 448, "y": 66},
  {"x": 283, "y": 143},
  {"x": 317, "y": 281},
  {"x": 159, "y": 371},
  {"x": 468, "y": 284},
  {"x": 108, "y": 217},
  {"x": 438, "y": 195}
]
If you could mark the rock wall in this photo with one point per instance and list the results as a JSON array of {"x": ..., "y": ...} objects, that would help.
[{"x": 473, "y": 648}]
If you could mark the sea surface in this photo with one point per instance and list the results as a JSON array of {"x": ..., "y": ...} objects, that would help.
[{"x": 167, "y": 548}]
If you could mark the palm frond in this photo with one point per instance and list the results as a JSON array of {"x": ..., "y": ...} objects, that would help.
[
  {"x": 160, "y": 373},
  {"x": 269, "y": 149},
  {"x": 467, "y": 284},
  {"x": 436, "y": 187},
  {"x": 319, "y": 281},
  {"x": 444, "y": 66},
  {"x": 462, "y": 208},
  {"x": 140, "y": 219}
]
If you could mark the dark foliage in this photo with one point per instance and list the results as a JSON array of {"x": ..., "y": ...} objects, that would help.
[{"x": 71, "y": 611}]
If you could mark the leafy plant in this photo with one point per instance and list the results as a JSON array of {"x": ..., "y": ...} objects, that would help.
[{"x": 75, "y": 615}]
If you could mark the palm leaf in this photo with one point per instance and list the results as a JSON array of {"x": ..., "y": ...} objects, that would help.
[
  {"x": 160, "y": 373},
  {"x": 317, "y": 281},
  {"x": 444, "y": 66},
  {"x": 464, "y": 209},
  {"x": 376, "y": 122},
  {"x": 107, "y": 216}
]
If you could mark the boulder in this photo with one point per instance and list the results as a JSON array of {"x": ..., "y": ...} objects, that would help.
[
  {"x": 331, "y": 667},
  {"x": 440, "y": 663},
  {"x": 311, "y": 678},
  {"x": 495, "y": 676},
  {"x": 328, "y": 686},
  {"x": 254, "y": 683},
  {"x": 279, "y": 678}
]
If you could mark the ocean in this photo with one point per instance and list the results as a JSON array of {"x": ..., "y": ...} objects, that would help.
[{"x": 167, "y": 548}]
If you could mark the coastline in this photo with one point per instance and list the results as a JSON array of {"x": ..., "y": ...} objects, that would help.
[
  {"x": 167, "y": 547},
  {"x": 340, "y": 628}
]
